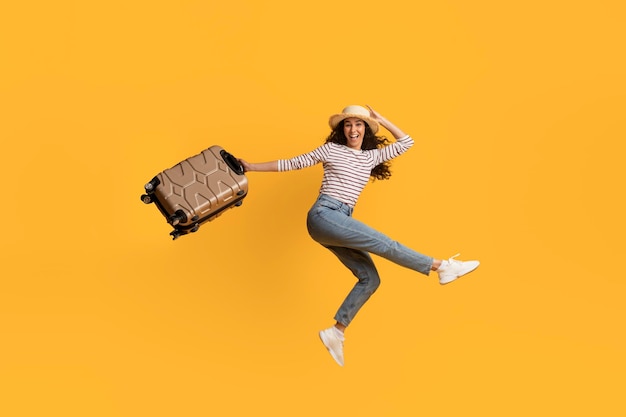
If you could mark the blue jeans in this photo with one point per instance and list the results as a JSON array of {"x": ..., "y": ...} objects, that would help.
[{"x": 330, "y": 223}]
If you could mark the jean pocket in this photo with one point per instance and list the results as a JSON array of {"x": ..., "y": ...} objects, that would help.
[{"x": 333, "y": 205}]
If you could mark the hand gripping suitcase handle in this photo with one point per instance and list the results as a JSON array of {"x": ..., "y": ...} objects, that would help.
[{"x": 232, "y": 162}]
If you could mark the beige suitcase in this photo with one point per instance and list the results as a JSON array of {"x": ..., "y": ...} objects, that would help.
[{"x": 198, "y": 189}]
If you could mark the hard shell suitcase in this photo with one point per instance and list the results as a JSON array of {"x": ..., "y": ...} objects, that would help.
[{"x": 198, "y": 189}]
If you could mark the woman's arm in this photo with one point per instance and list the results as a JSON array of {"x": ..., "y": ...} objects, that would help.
[
  {"x": 393, "y": 129},
  {"x": 271, "y": 166},
  {"x": 299, "y": 162},
  {"x": 402, "y": 144}
]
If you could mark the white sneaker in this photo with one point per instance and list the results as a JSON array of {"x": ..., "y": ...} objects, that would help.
[
  {"x": 332, "y": 338},
  {"x": 451, "y": 269}
]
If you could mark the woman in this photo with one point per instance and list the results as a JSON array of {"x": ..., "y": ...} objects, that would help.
[{"x": 351, "y": 155}]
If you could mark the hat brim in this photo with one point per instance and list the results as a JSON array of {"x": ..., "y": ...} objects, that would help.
[{"x": 337, "y": 118}]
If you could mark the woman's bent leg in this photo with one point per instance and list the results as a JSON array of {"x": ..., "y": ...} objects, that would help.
[{"x": 362, "y": 266}]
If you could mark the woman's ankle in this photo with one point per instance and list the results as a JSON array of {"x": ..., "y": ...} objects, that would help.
[{"x": 436, "y": 264}]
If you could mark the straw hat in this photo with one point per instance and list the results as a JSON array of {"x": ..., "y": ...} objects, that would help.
[{"x": 359, "y": 112}]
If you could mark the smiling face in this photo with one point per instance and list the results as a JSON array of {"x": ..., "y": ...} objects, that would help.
[{"x": 354, "y": 130}]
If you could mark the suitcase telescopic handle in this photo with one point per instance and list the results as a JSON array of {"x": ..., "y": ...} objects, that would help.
[{"x": 232, "y": 162}]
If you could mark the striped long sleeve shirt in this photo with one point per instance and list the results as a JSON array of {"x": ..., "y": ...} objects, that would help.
[{"x": 346, "y": 170}]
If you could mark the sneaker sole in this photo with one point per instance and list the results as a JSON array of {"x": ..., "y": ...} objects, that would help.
[{"x": 459, "y": 276}]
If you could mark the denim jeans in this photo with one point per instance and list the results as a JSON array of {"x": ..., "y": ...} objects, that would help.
[{"x": 330, "y": 223}]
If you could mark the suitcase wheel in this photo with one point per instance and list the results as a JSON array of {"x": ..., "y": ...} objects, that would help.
[
  {"x": 152, "y": 185},
  {"x": 146, "y": 199},
  {"x": 238, "y": 203},
  {"x": 176, "y": 218},
  {"x": 175, "y": 234},
  {"x": 195, "y": 228}
]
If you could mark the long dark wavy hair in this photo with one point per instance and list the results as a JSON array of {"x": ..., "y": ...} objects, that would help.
[{"x": 370, "y": 141}]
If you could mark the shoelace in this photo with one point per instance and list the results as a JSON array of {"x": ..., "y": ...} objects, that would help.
[{"x": 451, "y": 259}]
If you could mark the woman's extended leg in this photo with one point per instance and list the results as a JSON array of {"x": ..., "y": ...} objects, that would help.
[{"x": 335, "y": 228}]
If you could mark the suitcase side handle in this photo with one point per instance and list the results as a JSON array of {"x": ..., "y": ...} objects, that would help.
[{"x": 232, "y": 162}]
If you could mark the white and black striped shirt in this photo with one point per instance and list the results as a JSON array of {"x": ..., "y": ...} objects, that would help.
[{"x": 346, "y": 170}]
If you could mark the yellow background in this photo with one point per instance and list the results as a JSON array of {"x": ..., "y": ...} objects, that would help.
[{"x": 518, "y": 113}]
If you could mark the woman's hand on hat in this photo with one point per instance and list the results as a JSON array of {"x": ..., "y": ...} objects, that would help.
[
  {"x": 395, "y": 131},
  {"x": 375, "y": 115}
]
